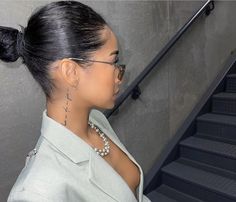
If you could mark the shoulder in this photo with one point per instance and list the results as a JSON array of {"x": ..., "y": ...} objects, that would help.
[
  {"x": 42, "y": 177},
  {"x": 27, "y": 196}
]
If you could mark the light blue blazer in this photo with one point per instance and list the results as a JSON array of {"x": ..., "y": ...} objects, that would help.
[{"x": 64, "y": 168}]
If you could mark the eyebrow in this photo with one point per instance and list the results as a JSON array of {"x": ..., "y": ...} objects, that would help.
[{"x": 114, "y": 52}]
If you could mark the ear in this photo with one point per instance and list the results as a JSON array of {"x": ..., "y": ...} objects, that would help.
[{"x": 69, "y": 71}]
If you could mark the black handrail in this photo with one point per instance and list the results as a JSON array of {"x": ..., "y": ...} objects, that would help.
[{"x": 133, "y": 88}]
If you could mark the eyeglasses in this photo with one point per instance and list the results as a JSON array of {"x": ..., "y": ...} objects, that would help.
[{"x": 121, "y": 67}]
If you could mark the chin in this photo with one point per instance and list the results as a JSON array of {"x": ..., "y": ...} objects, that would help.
[
  {"x": 108, "y": 105},
  {"x": 111, "y": 105}
]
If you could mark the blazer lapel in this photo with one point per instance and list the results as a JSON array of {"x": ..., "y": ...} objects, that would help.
[
  {"x": 101, "y": 173},
  {"x": 105, "y": 176},
  {"x": 108, "y": 180}
]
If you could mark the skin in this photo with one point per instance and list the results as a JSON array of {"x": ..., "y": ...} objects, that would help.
[{"x": 90, "y": 87}]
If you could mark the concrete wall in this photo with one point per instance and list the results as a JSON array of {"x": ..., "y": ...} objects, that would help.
[{"x": 168, "y": 94}]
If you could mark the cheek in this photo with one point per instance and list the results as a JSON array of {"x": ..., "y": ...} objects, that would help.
[
  {"x": 104, "y": 84},
  {"x": 104, "y": 81},
  {"x": 98, "y": 87}
]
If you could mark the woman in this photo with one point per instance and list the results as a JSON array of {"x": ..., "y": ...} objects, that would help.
[{"x": 73, "y": 53}]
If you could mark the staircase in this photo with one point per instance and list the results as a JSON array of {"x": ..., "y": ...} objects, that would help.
[{"x": 204, "y": 168}]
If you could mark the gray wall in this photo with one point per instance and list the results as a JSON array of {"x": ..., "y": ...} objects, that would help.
[{"x": 169, "y": 93}]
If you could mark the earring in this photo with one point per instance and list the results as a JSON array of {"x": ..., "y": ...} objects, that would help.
[{"x": 66, "y": 108}]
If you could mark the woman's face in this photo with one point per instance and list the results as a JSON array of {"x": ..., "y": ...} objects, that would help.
[{"x": 99, "y": 82}]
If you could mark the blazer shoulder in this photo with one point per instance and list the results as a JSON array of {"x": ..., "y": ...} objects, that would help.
[{"x": 27, "y": 196}]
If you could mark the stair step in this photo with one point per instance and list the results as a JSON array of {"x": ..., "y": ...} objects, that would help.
[
  {"x": 217, "y": 124},
  {"x": 215, "y": 153},
  {"x": 218, "y": 118},
  {"x": 155, "y": 196},
  {"x": 196, "y": 182},
  {"x": 207, "y": 167},
  {"x": 175, "y": 194},
  {"x": 225, "y": 95},
  {"x": 219, "y": 148},
  {"x": 231, "y": 83},
  {"x": 216, "y": 138},
  {"x": 231, "y": 76},
  {"x": 224, "y": 103}
]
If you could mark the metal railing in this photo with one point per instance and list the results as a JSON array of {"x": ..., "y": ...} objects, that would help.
[{"x": 133, "y": 89}]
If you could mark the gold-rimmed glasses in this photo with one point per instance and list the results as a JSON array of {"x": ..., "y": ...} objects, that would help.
[{"x": 121, "y": 67}]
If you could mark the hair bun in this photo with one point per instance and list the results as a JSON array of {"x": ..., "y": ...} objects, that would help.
[{"x": 10, "y": 41}]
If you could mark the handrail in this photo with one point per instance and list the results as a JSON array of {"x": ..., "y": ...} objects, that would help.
[
  {"x": 168, "y": 154},
  {"x": 133, "y": 88}
]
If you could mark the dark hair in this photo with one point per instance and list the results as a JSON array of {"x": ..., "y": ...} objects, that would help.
[{"x": 55, "y": 31}]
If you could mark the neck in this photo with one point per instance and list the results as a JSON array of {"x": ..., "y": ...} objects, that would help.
[{"x": 75, "y": 119}]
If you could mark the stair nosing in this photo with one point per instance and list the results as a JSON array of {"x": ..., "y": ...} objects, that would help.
[
  {"x": 204, "y": 117},
  {"x": 165, "y": 186},
  {"x": 186, "y": 143},
  {"x": 231, "y": 75},
  {"x": 218, "y": 169},
  {"x": 223, "y": 96}
]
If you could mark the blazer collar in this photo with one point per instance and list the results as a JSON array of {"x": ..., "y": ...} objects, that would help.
[{"x": 77, "y": 150}]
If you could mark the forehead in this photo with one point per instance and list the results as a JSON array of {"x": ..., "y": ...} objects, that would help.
[{"x": 111, "y": 40}]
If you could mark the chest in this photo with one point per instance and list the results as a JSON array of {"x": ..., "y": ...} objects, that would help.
[
  {"x": 128, "y": 170},
  {"x": 120, "y": 162},
  {"x": 124, "y": 166}
]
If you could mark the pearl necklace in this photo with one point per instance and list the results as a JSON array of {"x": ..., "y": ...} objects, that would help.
[{"x": 105, "y": 150}]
